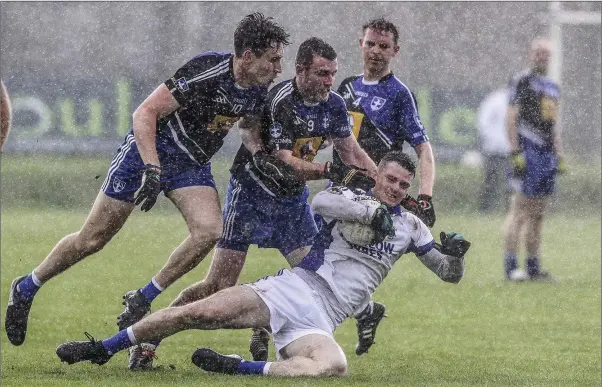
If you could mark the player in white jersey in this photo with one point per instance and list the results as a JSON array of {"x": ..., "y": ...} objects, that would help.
[{"x": 304, "y": 305}]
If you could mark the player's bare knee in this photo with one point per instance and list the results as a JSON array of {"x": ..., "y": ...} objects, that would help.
[
  {"x": 206, "y": 234},
  {"x": 337, "y": 368},
  {"x": 91, "y": 243}
]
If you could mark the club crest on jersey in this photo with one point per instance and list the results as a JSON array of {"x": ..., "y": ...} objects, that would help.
[
  {"x": 118, "y": 185},
  {"x": 325, "y": 121},
  {"x": 377, "y": 103},
  {"x": 276, "y": 130},
  {"x": 182, "y": 84}
]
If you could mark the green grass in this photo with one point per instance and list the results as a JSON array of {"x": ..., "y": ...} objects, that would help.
[{"x": 482, "y": 332}]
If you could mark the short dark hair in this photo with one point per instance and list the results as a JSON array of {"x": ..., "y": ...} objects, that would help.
[
  {"x": 382, "y": 24},
  {"x": 401, "y": 158},
  {"x": 313, "y": 47},
  {"x": 257, "y": 33}
]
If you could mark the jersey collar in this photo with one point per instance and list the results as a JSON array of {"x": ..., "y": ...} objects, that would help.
[{"x": 383, "y": 79}]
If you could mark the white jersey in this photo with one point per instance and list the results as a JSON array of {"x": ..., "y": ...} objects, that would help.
[{"x": 352, "y": 271}]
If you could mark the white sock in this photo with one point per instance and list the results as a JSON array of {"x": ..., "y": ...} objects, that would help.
[
  {"x": 35, "y": 279},
  {"x": 266, "y": 368},
  {"x": 131, "y": 336}
]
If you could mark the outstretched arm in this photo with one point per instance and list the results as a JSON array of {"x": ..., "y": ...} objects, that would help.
[
  {"x": 352, "y": 154},
  {"x": 426, "y": 166},
  {"x": 448, "y": 268}
]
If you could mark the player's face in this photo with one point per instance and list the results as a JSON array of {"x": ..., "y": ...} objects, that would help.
[
  {"x": 392, "y": 183},
  {"x": 265, "y": 68},
  {"x": 378, "y": 49},
  {"x": 541, "y": 53},
  {"x": 316, "y": 81}
]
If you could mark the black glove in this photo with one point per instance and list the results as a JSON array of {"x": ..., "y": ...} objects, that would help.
[
  {"x": 348, "y": 176},
  {"x": 278, "y": 176},
  {"x": 453, "y": 244},
  {"x": 428, "y": 211},
  {"x": 150, "y": 188},
  {"x": 382, "y": 224},
  {"x": 412, "y": 205}
]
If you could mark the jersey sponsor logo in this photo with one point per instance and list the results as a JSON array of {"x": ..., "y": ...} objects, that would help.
[
  {"x": 118, "y": 185},
  {"x": 376, "y": 250},
  {"x": 222, "y": 123},
  {"x": 276, "y": 130},
  {"x": 306, "y": 148},
  {"x": 355, "y": 122},
  {"x": 361, "y": 93},
  {"x": 182, "y": 84},
  {"x": 377, "y": 103},
  {"x": 549, "y": 109}
]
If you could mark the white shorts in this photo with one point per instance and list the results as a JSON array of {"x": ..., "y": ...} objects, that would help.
[{"x": 294, "y": 310}]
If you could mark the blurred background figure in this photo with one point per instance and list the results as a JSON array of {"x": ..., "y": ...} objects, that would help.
[
  {"x": 6, "y": 115},
  {"x": 535, "y": 158},
  {"x": 494, "y": 146}
]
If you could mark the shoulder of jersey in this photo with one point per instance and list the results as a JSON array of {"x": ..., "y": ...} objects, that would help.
[
  {"x": 349, "y": 80},
  {"x": 279, "y": 93}
]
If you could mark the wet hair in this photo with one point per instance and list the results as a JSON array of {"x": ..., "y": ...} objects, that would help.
[
  {"x": 381, "y": 24},
  {"x": 401, "y": 158},
  {"x": 257, "y": 33},
  {"x": 313, "y": 47}
]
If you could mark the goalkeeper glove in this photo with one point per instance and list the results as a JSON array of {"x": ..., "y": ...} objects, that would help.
[
  {"x": 347, "y": 175},
  {"x": 150, "y": 188},
  {"x": 427, "y": 210},
  {"x": 382, "y": 224},
  {"x": 452, "y": 244},
  {"x": 518, "y": 163},
  {"x": 278, "y": 176}
]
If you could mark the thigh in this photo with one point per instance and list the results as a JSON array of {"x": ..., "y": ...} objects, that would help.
[
  {"x": 199, "y": 205},
  {"x": 318, "y": 347},
  {"x": 106, "y": 217},
  {"x": 236, "y": 307}
]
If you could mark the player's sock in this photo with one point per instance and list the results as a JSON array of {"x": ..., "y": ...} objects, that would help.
[
  {"x": 151, "y": 290},
  {"x": 510, "y": 263},
  {"x": 122, "y": 340},
  {"x": 29, "y": 286},
  {"x": 532, "y": 266},
  {"x": 253, "y": 367}
]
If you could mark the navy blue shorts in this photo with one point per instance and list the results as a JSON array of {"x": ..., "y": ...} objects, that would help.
[
  {"x": 252, "y": 216},
  {"x": 540, "y": 176},
  {"x": 177, "y": 171}
]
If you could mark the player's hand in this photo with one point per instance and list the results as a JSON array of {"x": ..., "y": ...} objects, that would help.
[
  {"x": 453, "y": 244},
  {"x": 278, "y": 176},
  {"x": 382, "y": 224},
  {"x": 150, "y": 188},
  {"x": 345, "y": 175},
  {"x": 427, "y": 210},
  {"x": 518, "y": 163},
  {"x": 561, "y": 166}
]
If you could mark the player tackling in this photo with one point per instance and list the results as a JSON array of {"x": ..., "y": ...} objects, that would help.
[{"x": 303, "y": 306}]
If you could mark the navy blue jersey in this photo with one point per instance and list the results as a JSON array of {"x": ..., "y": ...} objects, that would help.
[
  {"x": 210, "y": 103},
  {"x": 383, "y": 114},
  {"x": 536, "y": 98},
  {"x": 290, "y": 123}
]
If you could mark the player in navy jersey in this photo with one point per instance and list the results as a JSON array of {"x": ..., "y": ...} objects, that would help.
[
  {"x": 536, "y": 157},
  {"x": 176, "y": 131},
  {"x": 384, "y": 115},
  {"x": 298, "y": 115},
  {"x": 304, "y": 305}
]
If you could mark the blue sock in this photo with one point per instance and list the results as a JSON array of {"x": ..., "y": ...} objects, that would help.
[
  {"x": 251, "y": 367},
  {"x": 118, "y": 342},
  {"x": 510, "y": 263},
  {"x": 27, "y": 287},
  {"x": 532, "y": 266},
  {"x": 151, "y": 290}
]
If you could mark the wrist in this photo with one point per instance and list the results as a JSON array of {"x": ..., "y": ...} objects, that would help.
[{"x": 327, "y": 169}]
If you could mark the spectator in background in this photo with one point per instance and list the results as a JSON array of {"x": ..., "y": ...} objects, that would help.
[
  {"x": 6, "y": 115},
  {"x": 494, "y": 147}
]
